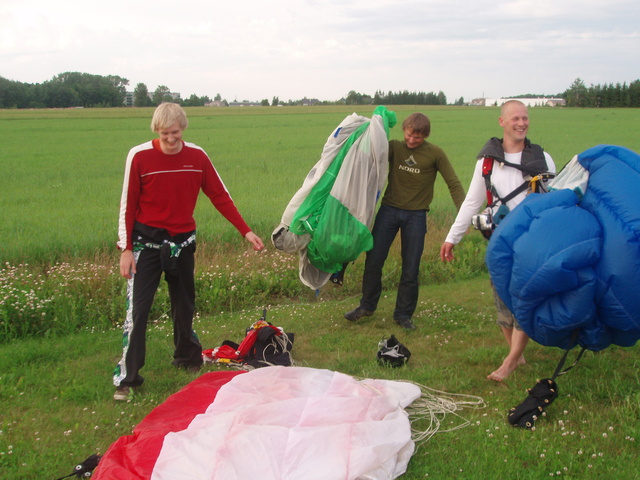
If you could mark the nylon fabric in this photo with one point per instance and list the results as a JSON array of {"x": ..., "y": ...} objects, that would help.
[
  {"x": 352, "y": 172},
  {"x": 569, "y": 260},
  {"x": 342, "y": 236},
  {"x": 293, "y": 422},
  {"x": 133, "y": 457}
]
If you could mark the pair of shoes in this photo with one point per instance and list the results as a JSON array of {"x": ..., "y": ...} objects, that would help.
[
  {"x": 122, "y": 393},
  {"x": 357, "y": 313},
  {"x": 405, "y": 323}
]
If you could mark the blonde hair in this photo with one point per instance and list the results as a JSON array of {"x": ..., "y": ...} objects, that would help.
[
  {"x": 419, "y": 123},
  {"x": 166, "y": 115}
]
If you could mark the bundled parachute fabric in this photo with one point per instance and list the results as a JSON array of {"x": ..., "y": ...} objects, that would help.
[
  {"x": 328, "y": 221},
  {"x": 279, "y": 422},
  {"x": 263, "y": 345},
  {"x": 543, "y": 393},
  {"x": 569, "y": 260}
]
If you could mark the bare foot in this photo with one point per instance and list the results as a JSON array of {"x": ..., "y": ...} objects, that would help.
[{"x": 506, "y": 369}]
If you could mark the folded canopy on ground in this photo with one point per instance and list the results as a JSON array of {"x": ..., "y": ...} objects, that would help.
[
  {"x": 271, "y": 423},
  {"x": 567, "y": 262}
]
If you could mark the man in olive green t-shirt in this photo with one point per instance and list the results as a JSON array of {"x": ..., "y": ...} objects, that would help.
[{"x": 413, "y": 167}]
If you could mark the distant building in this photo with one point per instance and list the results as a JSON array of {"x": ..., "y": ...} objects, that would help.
[
  {"x": 128, "y": 99},
  {"x": 310, "y": 101},
  {"x": 215, "y": 103},
  {"x": 528, "y": 101}
]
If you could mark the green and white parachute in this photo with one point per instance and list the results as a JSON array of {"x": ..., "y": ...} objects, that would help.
[{"x": 328, "y": 221}]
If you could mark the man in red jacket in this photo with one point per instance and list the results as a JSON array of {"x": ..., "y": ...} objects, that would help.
[{"x": 157, "y": 232}]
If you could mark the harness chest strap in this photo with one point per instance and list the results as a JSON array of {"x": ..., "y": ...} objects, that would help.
[{"x": 533, "y": 163}]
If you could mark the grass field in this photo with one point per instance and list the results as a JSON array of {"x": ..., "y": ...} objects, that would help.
[
  {"x": 57, "y": 406},
  {"x": 63, "y": 168},
  {"x": 60, "y": 197}
]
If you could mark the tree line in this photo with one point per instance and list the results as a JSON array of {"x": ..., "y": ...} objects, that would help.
[
  {"x": 75, "y": 89},
  {"x": 603, "y": 96},
  {"x": 71, "y": 89},
  {"x": 396, "y": 98}
]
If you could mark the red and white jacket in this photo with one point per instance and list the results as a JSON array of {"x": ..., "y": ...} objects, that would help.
[{"x": 161, "y": 191}]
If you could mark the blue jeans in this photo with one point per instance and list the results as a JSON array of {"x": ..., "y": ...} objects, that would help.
[{"x": 413, "y": 228}]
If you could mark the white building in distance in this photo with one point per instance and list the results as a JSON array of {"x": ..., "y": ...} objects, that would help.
[{"x": 529, "y": 102}]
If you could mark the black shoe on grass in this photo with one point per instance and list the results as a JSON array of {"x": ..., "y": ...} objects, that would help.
[
  {"x": 405, "y": 323},
  {"x": 357, "y": 313},
  {"x": 122, "y": 394}
]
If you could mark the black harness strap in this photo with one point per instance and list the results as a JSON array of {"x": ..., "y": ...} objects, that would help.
[
  {"x": 559, "y": 370},
  {"x": 533, "y": 163}
]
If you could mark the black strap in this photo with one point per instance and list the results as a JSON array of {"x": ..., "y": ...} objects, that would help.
[
  {"x": 487, "y": 170},
  {"x": 88, "y": 466},
  {"x": 559, "y": 370},
  {"x": 504, "y": 200}
]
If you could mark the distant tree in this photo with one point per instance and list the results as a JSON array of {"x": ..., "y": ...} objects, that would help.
[
  {"x": 264, "y": 102},
  {"x": 353, "y": 98},
  {"x": 141, "y": 96},
  {"x": 275, "y": 102},
  {"x": 13, "y": 94},
  {"x": 162, "y": 94},
  {"x": 407, "y": 98},
  {"x": 634, "y": 93},
  {"x": 604, "y": 96},
  {"x": 460, "y": 101},
  {"x": 195, "y": 101},
  {"x": 88, "y": 90},
  {"x": 192, "y": 101},
  {"x": 576, "y": 94},
  {"x": 58, "y": 95},
  {"x": 217, "y": 98}
]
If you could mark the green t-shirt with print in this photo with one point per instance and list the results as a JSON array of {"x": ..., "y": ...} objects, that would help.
[{"x": 412, "y": 175}]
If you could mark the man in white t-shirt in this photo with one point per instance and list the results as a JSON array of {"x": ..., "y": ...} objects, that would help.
[{"x": 505, "y": 178}]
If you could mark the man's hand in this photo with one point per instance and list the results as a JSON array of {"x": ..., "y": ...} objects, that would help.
[
  {"x": 127, "y": 264},
  {"x": 255, "y": 241},
  {"x": 446, "y": 252}
]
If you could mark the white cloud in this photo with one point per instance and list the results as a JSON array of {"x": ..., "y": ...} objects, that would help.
[{"x": 316, "y": 48}]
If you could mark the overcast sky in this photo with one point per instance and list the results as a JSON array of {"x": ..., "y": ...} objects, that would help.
[{"x": 290, "y": 49}]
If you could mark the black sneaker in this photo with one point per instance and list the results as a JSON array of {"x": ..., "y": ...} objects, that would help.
[
  {"x": 357, "y": 313},
  {"x": 405, "y": 323}
]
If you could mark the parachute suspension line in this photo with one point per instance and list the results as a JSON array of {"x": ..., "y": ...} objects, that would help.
[{"x": 431, "y": 409}]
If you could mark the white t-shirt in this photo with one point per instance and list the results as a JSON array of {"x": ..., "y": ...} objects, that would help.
[{"x": 504, "y": 178}]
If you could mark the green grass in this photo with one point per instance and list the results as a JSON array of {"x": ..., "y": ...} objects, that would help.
[
  {"x": 60, "y": 197},
  {"x": 57, "y": 406},
  {"x": 62, "y": 169}
]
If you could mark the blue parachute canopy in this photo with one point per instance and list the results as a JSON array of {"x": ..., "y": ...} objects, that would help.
[{"x": 567, "y": 262}]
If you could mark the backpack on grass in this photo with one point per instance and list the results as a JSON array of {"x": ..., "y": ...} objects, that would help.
[{"x": 263, "y": 344}]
